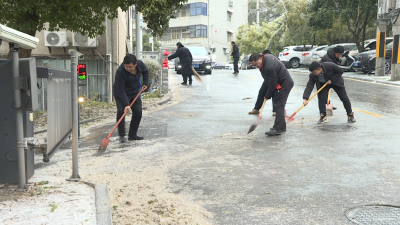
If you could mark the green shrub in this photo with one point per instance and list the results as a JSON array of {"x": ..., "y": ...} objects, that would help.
[{"x": 154, "y": 69}]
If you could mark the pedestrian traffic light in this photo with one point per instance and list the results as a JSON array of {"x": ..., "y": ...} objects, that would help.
[{"x": 82, "y": 78}]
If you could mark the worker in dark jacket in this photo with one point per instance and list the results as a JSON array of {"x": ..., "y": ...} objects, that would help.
[
  {"x": 261, "y": 93},
  {"x": 185, "y": 59},
  {"x": 333, "y": 55},
  {"x": 235, "y": 55},
  {"x": 274, "y": 73},
  {"x": 126, "y": 86},
  {"x": 331, "y": 74}
]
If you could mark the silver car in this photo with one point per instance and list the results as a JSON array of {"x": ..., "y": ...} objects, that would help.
[
  {"x": 318, "y": 55},
  {"x": 306, "y": 60}
]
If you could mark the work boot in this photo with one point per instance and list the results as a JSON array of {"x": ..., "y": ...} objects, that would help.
[
  {"x": 122, "y": 139},
  {"x": 350, "y": 118},
  {"x": 190, "y": 82},
  {"x": 184, "y": 83},
  {"x": 322, "y": 119},
  {"x": 334, "y": 108},
  {"x": 135, "y": 138},
  {"x": 254, "y": 111},
  {"x": 273, "y": 132}
]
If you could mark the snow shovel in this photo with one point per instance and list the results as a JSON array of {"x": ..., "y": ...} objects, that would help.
[
  {"x": 254, "y": 125},
  {"x": 291, "y": 117},
  {"x": 104, "y": 142},
  {"x": 329, "y": 106}
]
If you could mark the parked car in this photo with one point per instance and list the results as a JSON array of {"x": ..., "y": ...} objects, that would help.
[
  {"x": 290, "y": 56},
  {"x": 245, "y": 64},
  {"x": 369, "y": 44},
  {"x": 306, "y": 60},
  {"x": 171, "y": 63},
  {"x": 229, "y": 66},
  {"x": 318, "y": 55},
  {"x": 201, "y": 60},
  {"x": 218, "y": 65},
  {"x": 366, "y": 61}
]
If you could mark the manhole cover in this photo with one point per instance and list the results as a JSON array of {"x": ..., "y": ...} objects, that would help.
[
  {"x": 374, "y": 215},
  {"x": 336, "y": 128}
]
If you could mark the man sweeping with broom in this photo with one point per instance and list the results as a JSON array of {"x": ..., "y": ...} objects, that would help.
[
  {"x": 330, "y": 74},
  {"x": 185, "y": 58}
]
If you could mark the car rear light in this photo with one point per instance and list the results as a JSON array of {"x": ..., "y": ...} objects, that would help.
[
  {"x": 286, "y": 53},
  {"x": 305, "y": 54}
]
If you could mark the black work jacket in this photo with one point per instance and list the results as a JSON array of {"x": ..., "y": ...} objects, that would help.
[{"x": 274, "y": 72}]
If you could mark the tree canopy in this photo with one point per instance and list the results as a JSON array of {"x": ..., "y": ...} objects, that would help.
[{"x": 84, "y": 16}]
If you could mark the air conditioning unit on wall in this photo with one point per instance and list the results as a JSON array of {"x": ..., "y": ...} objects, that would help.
[
  {"x": 80, "y": 40},
  {"x": 230, "y": 2},
  {"x": 390, "y": 6},
  {"x": 55, "y": 39}
]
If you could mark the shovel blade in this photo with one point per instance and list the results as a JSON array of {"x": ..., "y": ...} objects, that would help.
[
  {"x": 329, "y": 109},
  {"x": 103, "y": 145}
]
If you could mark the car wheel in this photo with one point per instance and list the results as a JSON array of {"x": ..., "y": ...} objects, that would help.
[
  {"x": 294, "y": 63},
  {"x": 209, "y": 72},
  {"x": 178, "y": 71}
]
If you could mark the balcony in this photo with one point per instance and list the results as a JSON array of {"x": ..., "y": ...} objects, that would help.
[{"x": 188, "y": 20}]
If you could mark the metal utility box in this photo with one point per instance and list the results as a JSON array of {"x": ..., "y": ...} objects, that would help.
[{"x": 8, "y": 139}]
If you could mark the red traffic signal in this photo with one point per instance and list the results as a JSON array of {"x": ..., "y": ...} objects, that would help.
[{"x": 81, "y": 70}]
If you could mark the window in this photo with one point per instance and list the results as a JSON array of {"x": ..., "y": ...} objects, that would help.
[
  {"x": 198, "y": 9},
  {"x": 184, "y": 30},
  {"x": 229, "y": 16},
  {"x": 229, "y": 37},
  {"x": 198, "y": 31},
  {"x": 183, "y": 12},
  {"x": 174, "y": 34}
]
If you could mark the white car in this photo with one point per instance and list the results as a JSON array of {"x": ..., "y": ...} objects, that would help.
[
  {"x": 306, "y": 60},
  {"x": 229, "y": 66},
  {"x": 291, "y": 56},
  {"x": 317, "y": 56}
]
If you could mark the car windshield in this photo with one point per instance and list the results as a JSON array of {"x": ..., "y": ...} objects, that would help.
[
  {"x": 389, "y": 46},
  {"x": 197, "y": 50},
  {"x": 355, "y": 48}
]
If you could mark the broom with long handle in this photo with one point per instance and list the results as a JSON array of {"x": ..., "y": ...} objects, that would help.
[
  {"x": 196, "y": 74},
  {"x": 104, "y": 142}
]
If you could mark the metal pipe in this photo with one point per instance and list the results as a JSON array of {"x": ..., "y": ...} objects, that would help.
[
  {"x": 19, "y": 117},
  {"x": 74, "y": 102},
  {"x": 138, "y": 36}
]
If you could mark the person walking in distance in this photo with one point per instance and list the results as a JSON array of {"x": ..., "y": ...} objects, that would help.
[
  {"x": 279, "y": 84},
  {"x": 185, "y": 59},
  {"x": 330, "y": 74},
  {"x": 126, "y": 86},
  {"x": 235, "y": 55}
]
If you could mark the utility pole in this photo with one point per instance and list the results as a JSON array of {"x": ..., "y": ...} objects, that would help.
[
  {"x": 258, "y": 12},
  {"x": 138, "y": 35}
]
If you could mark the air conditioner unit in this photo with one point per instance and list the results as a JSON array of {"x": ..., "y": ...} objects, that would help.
[
  {"x": 230, "y": 2},
  {"x": 55, "y": 38},
  {"x": 83, "y": 41}
]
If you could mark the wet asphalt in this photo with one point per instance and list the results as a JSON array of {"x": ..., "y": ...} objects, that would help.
[{"x": 311, "y": 174}]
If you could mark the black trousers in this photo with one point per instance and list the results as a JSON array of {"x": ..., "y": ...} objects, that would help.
[
  {"x": 185, "y": 78},
  {"x": 235, "y": 64},
  {"x": 341, "y": 92},
  {"x": 279, "y": 100},
  {"x": 136, "y": 116},
  {"x": 260, "y": 97}
]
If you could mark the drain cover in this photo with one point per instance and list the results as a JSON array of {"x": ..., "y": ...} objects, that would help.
[
  {"x": 374, "y": 214},
  {"x": 336, "y": 128}
]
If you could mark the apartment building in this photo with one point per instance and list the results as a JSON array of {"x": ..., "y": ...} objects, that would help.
[{"x": 209, "y": 23}]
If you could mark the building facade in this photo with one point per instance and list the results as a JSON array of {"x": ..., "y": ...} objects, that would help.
[{"x": 212, "y": 24}]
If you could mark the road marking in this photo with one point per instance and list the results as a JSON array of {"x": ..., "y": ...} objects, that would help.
[
  {"x": 366, "y": 112},
  {"x": 372, "y": 82},
  {"x": 252, "y": 77}
]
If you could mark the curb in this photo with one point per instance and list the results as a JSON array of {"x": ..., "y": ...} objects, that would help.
[
  {"x": 372, "y": 80},
  {"x": 102, "y": 201},
  {"x": 159, "y": 103}
]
